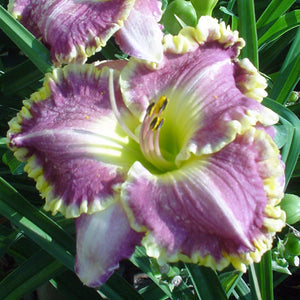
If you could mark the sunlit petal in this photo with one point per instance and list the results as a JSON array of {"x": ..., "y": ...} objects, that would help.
[
  {"x": 75, "y": 149},
  {"x": 141, "y": 31},
  {"x": 74, "y": 30},
  {"x": 215, "y": 209},
  {"x": 103, "y": 239}
]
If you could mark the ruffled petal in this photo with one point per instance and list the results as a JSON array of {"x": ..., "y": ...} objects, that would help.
[
  {"x": 208, "y": 89},
  {"x": 141, "y": 31},
  {"x": 103, "y": 239},
  {"x": 216, "y": 209},
  {"x": 72, "y": 142},
  {"x": 74, "y": 30}
]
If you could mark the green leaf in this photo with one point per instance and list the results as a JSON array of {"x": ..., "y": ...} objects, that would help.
[
  {"x": 35, "y": 271},
  {"x": 265, "y": 276},
  {"x": 282, "y": 25},
  {"x": 152, "y": 291},
  {"x": 289, "y": 73},
  {"x": 16, "y": 167},
  {"x": 274, "y": 10},
  {"x": 72, "y": 288},
  {"x": 247, "y": 29},
  {"x": 254, "y": 285},
  {"x": 36, "y": 233},
  {"x": 18, "y": 78},
  {"x": 149, "y": 265},
  {"x": 206, "y": 283},
  {"x": 31, "y": 47},
  {"x": 118, "y": 288},
  {"x": 142, "y": 261},
  {"x": 51, "y": 237},
  {"x": 229, "y": 281},
  {"x": 291, "y": 150},
  {"x": 270, "y": 63},
  {"x": 242, "y": 290}
]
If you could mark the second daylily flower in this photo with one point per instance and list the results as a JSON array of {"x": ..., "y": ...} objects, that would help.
[
  {"x": 75, "y": 30},
  {"x": 177, "y": 155}
]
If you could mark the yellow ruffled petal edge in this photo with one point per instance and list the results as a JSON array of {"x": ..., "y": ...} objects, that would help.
[
  {"x": 83, "y": 51},
  {"x": 207, "y": 30},
  {"x": 34, "y": 170},
  {"x": 252, "y": 84},
  {"x": 273, "y": 222}
]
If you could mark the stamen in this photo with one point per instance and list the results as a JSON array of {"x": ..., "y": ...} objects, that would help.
[
  {"x": 161, "y": 104},
  {"x": 150, "y": 109},
  {"x": 150, "y": 132},
  {"x": 154, "y": 123},
  {"x": 113, "y": 103},
  {"x": 160, "y": 124}
]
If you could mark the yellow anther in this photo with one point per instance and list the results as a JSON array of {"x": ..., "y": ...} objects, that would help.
[
  {"x": 161, "y": 104},
  {"x": 150, "y": 109},
  {"x": 156, "y": 123}
]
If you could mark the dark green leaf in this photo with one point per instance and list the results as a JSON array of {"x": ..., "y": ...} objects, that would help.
[
  {"x": 31, "y": 47},
  {"x": 289, "y": 74},
  {"x": 32, "y": 273},
  {"x": 206, "y": 283},
  {"x": 274, "y": 10},
  {"x": 247, "y": 29}
]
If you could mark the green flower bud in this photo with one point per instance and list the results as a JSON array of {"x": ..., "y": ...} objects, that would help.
[
  {"x": 291, "y": 205},
  {"x": 184, "y": 10},
  {"x": 292, "y": 246},
  {"x": 204, "y": 7}
]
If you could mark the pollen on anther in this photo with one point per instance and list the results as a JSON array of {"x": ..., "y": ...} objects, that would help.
[
  {"x": 150, "y": 109},
  {"x": 87, "y": 117},
  {"x": 161, "y": 104},
  {"x": 154, "y": 123}
]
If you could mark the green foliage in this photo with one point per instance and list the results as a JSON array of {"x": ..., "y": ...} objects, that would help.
[{"x": 41, "y": 248}]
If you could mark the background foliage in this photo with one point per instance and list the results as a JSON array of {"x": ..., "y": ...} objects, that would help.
[{"x": 36, "y": 247}]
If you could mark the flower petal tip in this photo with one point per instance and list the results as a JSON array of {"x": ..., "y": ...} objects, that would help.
[{"x": 103, "y": 239}]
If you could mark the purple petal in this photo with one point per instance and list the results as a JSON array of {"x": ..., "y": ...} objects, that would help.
[
  {"x": 207, "y": 88},
  {"x": 213, "y": 210},
  {"x": 141, "y": 31},
  {"x": 75, "y": 149},
  {"x": 103, "y": 239},
  {"x": 74, "y": 30}
]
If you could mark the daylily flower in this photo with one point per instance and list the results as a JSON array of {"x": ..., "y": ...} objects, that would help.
[
  {"x": 75, "y": 30},
  {"x": 177, "y": 155}
]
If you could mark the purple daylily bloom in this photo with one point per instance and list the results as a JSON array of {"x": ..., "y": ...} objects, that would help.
[
  {"x": 177, "y": 156},
  {"x": 75, "y": 30}
]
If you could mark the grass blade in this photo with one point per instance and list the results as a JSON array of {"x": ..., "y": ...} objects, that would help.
[
  {"x": 31, "y": 47},
  {"x": 247, "y": 29},
  {"x": 35, "y": 271},
  {"x": 265, "y": 276},
  {"x": 206, "y": 283},
  {"x": 289, "y": 74},
  {"x": 293, "y": 150},
  {"x": 72, "y": 288},
  {"x": 18, "y": 78},
  {"x": 282, "y": 25},
  {"x": 254, "y": 285},
  {"x": 274, "y": 10}
]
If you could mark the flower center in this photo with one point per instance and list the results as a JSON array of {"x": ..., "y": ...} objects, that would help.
[
  {"x": 150, "y": 133},
  {"x": 150, "y": 130}
]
